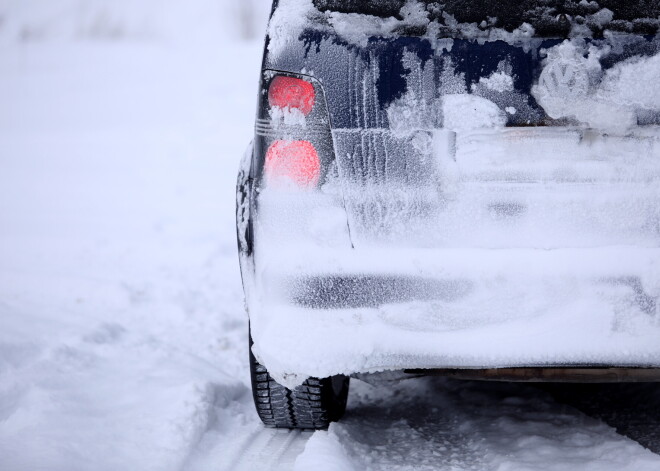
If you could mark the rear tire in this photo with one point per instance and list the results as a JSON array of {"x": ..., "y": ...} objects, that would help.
[{"x": 312, "y": 405}]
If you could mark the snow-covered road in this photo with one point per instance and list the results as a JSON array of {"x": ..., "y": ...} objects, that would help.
[
  {"x": 122, "y": 332},
  {"x": 439, "y": 424},
  {"x": 433, "y": 423}
]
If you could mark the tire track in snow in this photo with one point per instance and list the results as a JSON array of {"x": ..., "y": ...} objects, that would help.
[
  {"x": 268, "y": 450},
  {"x": 425, "y": 424},
  {"x": 406, "y": 425}
]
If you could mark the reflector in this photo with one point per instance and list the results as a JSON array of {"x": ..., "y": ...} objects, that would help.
[
  {"x": 295, "y": 161},
  {"x": 292, "y": 93}
]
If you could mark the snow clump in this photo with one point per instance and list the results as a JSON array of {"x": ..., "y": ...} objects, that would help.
[{"x": 573, "y": 85}]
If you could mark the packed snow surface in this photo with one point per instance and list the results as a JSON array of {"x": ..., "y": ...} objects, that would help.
[{"x": 486, "y": 427}]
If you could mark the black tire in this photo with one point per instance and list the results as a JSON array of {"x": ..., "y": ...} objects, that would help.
[{"x": 312, "y": 405}]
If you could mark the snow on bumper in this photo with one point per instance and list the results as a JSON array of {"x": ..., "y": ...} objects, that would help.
[{"x": 328, "y": 312}]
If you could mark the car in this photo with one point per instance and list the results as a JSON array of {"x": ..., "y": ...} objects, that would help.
[{"x": 463, "y": 188}]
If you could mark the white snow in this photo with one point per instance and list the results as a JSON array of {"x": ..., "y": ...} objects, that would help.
[
  {"x": 295, "y": 15},
  {"x": 631, "y": 84},
  {"x": 565, "y": 89},
  {"x": 535, "y": 246},
  {"x": 473, "y": 428},
  {"x": 357, "y": 29},
  {"x": 463, "y": 112},
  {"x": 288, "y": 21},
  {"x": 122, "y": 326},
  {"x": 287, "y": 117},
  {"x": 485, "y": 308},
  {"x": 601, "y": 18},
  {"x": 498, "y": 81},
  {"x": 454, "y": 110}
]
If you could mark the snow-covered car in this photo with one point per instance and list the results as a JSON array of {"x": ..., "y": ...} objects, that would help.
[{"x": 465, "y": 187}]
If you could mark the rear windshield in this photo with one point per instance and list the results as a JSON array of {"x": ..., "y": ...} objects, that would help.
[{"x": 548, "y": 18}]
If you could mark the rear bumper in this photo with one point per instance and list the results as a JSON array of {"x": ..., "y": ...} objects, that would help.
[
  {"x": 356, "y": 311},
  {"x": 563, "y": 374}
]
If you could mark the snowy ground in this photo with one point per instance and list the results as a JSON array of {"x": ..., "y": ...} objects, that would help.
[{"x": 122, "y": 331}]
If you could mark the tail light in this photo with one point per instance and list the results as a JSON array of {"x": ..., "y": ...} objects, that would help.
[
  {"x": 295, "y": 150},
  {"x": 297, "y": 189},
  {"x": 290, "y": 92},
  {"x": 292, "y": 162}
]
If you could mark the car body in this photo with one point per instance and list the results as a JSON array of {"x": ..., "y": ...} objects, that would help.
[{"x": 465, "y": 188}]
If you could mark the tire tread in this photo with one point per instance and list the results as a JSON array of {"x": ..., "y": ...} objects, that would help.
[{"x": 312, "y": 405}]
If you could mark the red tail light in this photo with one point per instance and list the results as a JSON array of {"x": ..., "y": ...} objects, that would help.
[
  {"x": 295, "y": 161},
  {"x": 291, "y": 92}
]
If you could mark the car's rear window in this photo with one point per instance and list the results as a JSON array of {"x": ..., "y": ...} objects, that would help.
[{"x": 549, "y": 18}]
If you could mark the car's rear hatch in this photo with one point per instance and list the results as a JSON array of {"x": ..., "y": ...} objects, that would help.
[{"x": 457, "y": 134}]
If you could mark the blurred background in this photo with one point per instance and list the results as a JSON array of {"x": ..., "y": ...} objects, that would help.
[
  {"x": 123, "y": 336},
  {"x": 41, "y": 20}
]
